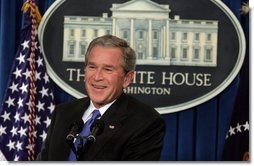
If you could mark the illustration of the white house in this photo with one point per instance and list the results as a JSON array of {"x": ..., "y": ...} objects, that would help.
[{"x": 146, "y": 26}]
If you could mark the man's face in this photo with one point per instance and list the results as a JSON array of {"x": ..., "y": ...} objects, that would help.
[{"x": 105, "y": 78}]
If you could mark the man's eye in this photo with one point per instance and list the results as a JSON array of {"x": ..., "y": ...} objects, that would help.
[
  {"x": 91, "y": 67},
  {"x": 108, "y": 69}
]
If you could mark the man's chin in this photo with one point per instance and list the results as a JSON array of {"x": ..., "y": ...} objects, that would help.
[{"x": 97, "y": 101}]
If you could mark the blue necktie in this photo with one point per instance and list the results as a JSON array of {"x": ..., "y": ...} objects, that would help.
[{"x": 85, "y": 132}]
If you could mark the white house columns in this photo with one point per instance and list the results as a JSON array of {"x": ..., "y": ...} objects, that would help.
[{"x": 146, "y": 26}]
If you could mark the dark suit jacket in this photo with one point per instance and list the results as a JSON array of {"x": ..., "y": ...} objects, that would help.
[{"x": 132, "y": 131}]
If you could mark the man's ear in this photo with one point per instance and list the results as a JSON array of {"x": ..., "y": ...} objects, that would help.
[{"x": 128, "y": 79}]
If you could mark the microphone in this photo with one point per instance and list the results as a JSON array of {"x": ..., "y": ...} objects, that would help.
[
  {"x": 96, "y": 129},
  {"x": 75, "y": 128}
]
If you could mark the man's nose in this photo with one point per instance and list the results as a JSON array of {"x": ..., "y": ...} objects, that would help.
[{"x": 98, "y": 75}]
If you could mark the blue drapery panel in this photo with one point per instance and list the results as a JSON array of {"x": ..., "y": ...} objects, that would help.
[{"x": 196, "y": 134}]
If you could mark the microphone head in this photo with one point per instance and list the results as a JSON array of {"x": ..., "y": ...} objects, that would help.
[
  {"x": 98, "y": 125},
  {"x": 79, "y": 124},
  {"x": 75, "y": 128}
]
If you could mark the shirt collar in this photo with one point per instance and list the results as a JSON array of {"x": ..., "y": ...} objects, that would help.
[{"x": 91, "y": 108}]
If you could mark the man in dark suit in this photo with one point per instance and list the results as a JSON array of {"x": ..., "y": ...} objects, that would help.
[{"x": 132, "y": 130}]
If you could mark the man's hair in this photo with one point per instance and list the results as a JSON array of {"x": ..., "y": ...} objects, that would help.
[{"x": 110, "y": 41}]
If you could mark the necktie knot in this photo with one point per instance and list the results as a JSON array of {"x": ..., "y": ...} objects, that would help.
[
  {"x": 95, "y": 114},
  {"x": 86, "y": 130}
]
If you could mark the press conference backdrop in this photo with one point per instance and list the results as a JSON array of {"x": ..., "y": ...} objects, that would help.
[{"x": 196, "y": 134}]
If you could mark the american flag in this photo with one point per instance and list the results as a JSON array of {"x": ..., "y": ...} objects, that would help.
[{"x": 23, "y": 127}]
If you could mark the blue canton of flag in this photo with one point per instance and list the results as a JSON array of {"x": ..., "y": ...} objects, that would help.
[{"x": 14, "y": 113}]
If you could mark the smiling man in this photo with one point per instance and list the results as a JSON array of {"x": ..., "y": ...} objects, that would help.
[{"x": 131, "y": 130}]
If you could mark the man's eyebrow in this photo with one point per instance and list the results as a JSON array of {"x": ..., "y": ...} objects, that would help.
[
  {"x": 109, "y": 66},
  {"x": 104, "y": 65},
  {"x": 90, "y": 63}
]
